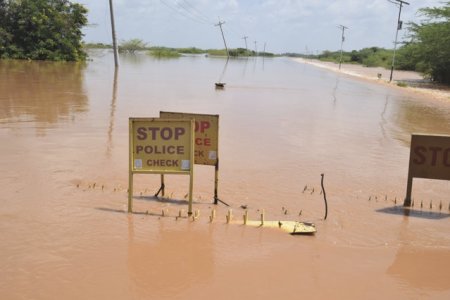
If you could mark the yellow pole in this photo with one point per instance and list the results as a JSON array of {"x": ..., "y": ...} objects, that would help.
[
  {"x": 245, "y": 217},
  {"x": 191, "y": 176},
  {"x": 216, "y": 182},
  {"x": 130, "y": 168},
  {"x": 130, "y": 192},
  {"x": 229, "y": 215}
]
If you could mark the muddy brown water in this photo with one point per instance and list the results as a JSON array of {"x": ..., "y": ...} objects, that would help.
[{"x": 65, "y": 233}]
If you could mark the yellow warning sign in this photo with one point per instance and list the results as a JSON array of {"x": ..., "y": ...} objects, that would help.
[
  {"x": 160, "y": 146},
  {"x": 206, "y": 140}
]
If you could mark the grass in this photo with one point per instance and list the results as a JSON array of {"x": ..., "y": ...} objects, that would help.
[{"x": 164, "y": 53}]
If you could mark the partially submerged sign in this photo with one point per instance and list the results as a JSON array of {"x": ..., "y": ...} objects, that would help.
[
  {"x": 429, "y": 158},
  {"x": 161, "y": 146},
  {"x": 206, "y": 135},
  {"x": 206, "y": 142}
]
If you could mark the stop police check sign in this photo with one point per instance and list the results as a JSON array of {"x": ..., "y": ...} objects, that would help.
[
  {"x": 429, "y": 158},
  {"x": 206, "y": 138},
  {"x": 161, "y": 146},
  {"x": 206, "y": 142}
]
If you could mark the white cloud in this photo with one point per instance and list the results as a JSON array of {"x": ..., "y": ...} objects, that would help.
[{"x": 287, "y": 25}]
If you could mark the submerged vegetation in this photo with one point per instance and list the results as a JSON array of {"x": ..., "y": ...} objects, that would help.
[
  {"x": 134, "y": 45},
  {"x": 162, "y": 52},
  {"x": 131, "y": 46}
]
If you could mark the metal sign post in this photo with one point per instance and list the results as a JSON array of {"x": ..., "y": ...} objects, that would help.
[{"x": 206, "y": 143}]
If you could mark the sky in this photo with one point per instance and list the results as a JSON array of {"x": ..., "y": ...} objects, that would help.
[{"x": 300, "y": 26}]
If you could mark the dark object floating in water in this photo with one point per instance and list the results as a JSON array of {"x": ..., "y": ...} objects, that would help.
[{"x": 220, "y": 85}]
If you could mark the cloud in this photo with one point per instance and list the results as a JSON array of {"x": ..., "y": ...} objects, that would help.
[{"x": 287, "y": 25}]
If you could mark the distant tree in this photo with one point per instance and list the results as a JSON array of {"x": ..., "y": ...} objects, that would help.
[
  {"x": 5, "y": 36},
  {"x": 131, "y": 46},
  {"x": 42, "y": 29},
  {"x": 429, "y": 48}
]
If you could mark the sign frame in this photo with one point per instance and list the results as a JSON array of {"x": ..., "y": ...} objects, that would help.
[
  {"x": 424, "y": 162},
  {"x": 190, "y": 124},
  {"x": 199, "y": 118}
]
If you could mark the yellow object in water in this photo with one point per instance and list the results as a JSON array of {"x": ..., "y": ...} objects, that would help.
[{"x": 292, "y": 227}]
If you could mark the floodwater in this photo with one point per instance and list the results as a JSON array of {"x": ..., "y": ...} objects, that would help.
[{"x": 65, "y": 233}]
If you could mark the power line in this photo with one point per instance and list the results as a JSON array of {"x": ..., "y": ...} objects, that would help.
[
  {"x": 185, "y": 8},
  {"x": 399, "y": 27},
  {"x": 182, "y": 13},
  {"x": 204, "y": 17}
]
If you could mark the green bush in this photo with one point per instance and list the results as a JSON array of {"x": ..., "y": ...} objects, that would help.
[
  {"x": 42, "y": 30},
  {"x": 164, "y": 53},
  {"x": 131, "y": 46}
]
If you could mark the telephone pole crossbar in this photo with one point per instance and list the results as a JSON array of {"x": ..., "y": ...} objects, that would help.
[
  {"x": 224, "y": 42},
  {"x": 400, "y": 3}
]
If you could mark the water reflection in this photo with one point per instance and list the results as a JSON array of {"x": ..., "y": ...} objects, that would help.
[
  {"x": 223, "y": 71},
  {"x": 420, "y": 267},
  {"x": 415, "y": 117},
  {"x": 336, "y": 86},
  {"x": 41, "y": 91},
  {"x": 112, "y": 114},
  {"x": 383, "y": 120},
  {"x": 177, "y": 260}
]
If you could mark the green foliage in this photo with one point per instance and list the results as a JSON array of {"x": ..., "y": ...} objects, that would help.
[
  {"x": 217, "y": 52},
  {"x": 97, "y": 46},
  {"x": 334, "y": 56},
  {"x": 162, "y": 52},
  {"x": 429, "y": 49},
  {"x": 131, "y": 46},
  {"x": 191, "y": 50},
  {"x": 42, "y": 30}
]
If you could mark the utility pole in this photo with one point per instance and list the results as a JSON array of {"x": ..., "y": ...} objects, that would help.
[
  {"x": 113, "y": 30},
  {"x": 399, "y": 27},
  {"x": 256, "y": 49},
  {"x": 245, "y": 39},
  {"x": 264, "y": 51},
  {"x": 342, "y": 27},
  {"x": 225, "y": 43}
]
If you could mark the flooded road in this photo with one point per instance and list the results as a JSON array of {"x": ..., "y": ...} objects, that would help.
[{"x": 65, "y": 233}]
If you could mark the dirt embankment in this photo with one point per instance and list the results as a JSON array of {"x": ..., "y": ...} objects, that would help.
[{"x": 408, "y": 80}]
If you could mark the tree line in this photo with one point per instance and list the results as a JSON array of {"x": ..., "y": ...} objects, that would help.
[
  {"x": 42, "y": 30},
  {"x": 426, "y": 50}
]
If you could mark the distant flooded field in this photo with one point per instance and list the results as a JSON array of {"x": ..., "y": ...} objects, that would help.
[{"x": 65, "y": 233}]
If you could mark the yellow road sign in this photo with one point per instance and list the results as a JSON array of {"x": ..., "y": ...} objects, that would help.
[
  {"x": 161, "y": 146},
  {"x": 206, "y": 141}
]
